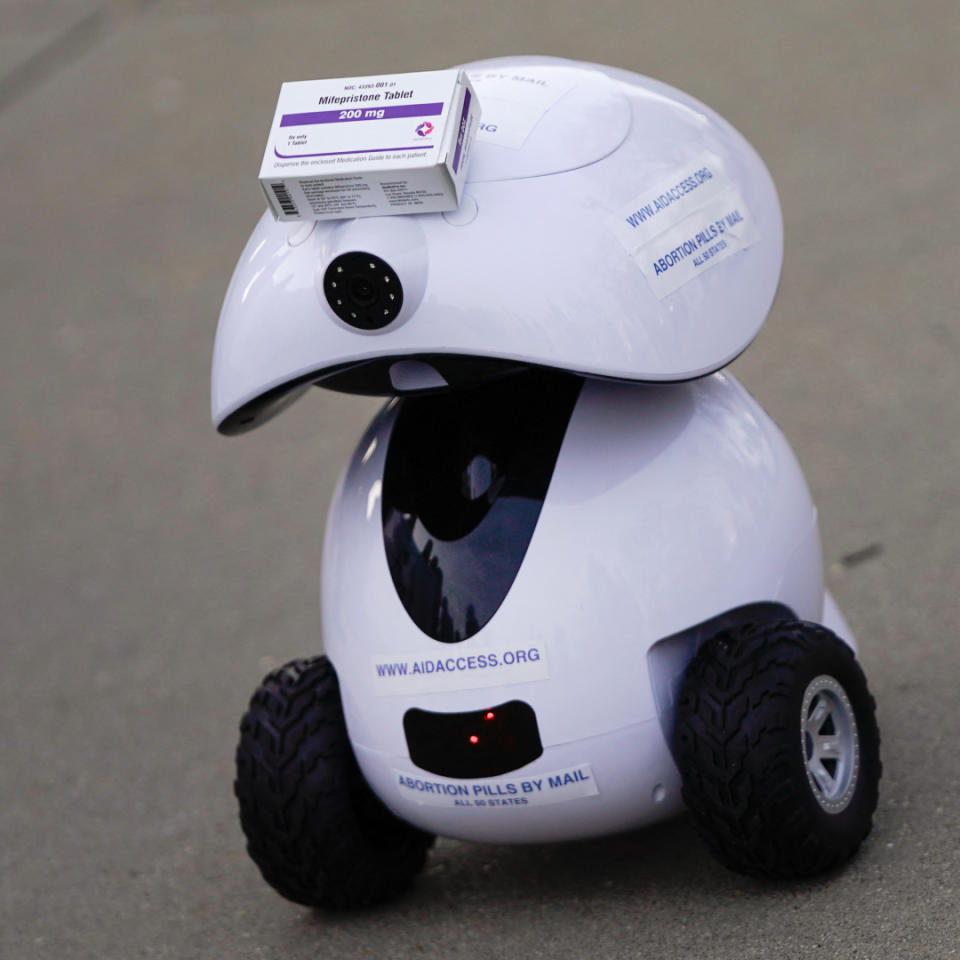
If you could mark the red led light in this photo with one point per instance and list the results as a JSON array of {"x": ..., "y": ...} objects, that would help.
[
  {"x": 489, "y": 715},
  {"x": 474, "y": 738}
]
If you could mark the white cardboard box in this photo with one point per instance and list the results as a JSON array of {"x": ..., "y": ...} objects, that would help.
[{"x": 369, "y": 146}]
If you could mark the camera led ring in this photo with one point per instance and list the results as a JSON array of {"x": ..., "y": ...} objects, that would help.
[{"x": 363, "y": 290}]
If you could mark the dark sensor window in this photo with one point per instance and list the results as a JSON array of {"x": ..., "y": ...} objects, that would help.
[
  {"x": 474, "y": 744},
  {"x": 465, "y": 478}
]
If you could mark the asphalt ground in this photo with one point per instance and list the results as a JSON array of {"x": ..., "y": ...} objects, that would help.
[{"x": 153, "y": 571}]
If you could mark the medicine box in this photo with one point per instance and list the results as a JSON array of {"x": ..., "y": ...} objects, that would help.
[{"x": 369, "y": 146}]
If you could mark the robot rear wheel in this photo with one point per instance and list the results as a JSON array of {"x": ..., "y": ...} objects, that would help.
[
  {"x": 314, "y": 827},
  {"x": 777, "y": 744}
]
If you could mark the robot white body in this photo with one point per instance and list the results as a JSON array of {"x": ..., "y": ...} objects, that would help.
[
  {"x": 669, "y": 506},
  {"x": 568, "y": 548}
]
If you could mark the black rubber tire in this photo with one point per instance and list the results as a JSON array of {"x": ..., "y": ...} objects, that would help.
[
  {"x": 314, "y": 827},
  {"x": 738, "y": 746}
]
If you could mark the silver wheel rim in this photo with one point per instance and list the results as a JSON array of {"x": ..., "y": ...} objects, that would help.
[{"x": 830, "y": 744}]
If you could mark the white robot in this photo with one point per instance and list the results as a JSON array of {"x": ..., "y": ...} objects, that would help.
[{"x": 572, "y": 575}]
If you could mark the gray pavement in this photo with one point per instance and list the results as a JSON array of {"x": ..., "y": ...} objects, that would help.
[{"x": 153, "y": 571}]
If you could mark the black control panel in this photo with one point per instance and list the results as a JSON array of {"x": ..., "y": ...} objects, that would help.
[{"x": 476, "y": 743}]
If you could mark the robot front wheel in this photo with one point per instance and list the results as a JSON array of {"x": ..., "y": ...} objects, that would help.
[
  {"x": 777, "y": 744},
  {"x": 314, "y": 828}
]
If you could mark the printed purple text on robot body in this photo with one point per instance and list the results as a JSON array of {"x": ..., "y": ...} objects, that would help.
[
  {"x": 555, "y": 786},
  {"x": 685, "y": 224},
  {"x": 483, "y": 668}
]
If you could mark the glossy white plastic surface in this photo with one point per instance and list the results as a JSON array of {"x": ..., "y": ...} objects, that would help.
[
  {"x": 669, "y": 505},
  {"x": 593, "y": 121},
  {"x": 538, "y": 272}
]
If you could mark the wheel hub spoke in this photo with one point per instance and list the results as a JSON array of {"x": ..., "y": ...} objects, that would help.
[
  {"x": 829, "y": 747},
  {"x": 826, "y": 783},
  {"x": 818, "y": 715}
]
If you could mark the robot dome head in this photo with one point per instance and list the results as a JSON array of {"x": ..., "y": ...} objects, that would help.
[{"x": 610, "y": 226}]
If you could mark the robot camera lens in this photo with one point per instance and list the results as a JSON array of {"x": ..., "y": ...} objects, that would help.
[
  {"x": 373, "y": 291},
  {"x": 363, "y": 292}
]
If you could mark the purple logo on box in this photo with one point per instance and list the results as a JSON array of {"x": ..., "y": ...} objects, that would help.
[
  {"x": 425, "y": 128},
  {"x": 462, "y": 131}
]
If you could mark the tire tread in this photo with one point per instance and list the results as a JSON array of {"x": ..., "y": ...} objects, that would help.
[
  {"x": 316, "y": 830},
  {"x": 737, "y": 747}
]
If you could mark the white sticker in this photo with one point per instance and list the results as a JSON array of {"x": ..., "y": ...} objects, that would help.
[
  {"x": 462, "y": 671},
  {"x": 507, "y": 124},
  {"x": 537, "y": 86},
  {"x": 539, "y": 790},
  {"x": 513, "y": 101},
  {"x": 707, "y": 237},
  {"x": 685, "y": 224},
  {"x": 666, "y": 203}
]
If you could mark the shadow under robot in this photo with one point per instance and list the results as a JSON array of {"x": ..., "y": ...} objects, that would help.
[{"x": 572, "y": 575}]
